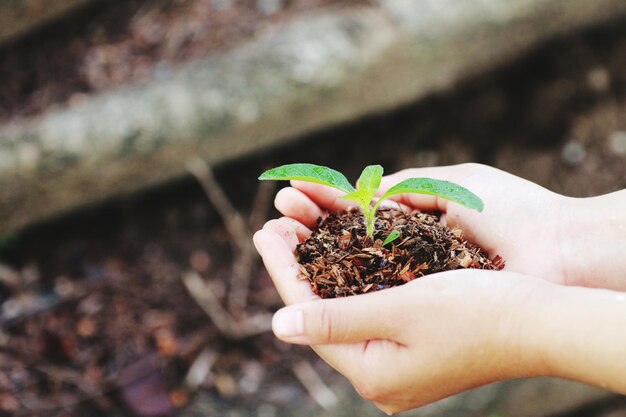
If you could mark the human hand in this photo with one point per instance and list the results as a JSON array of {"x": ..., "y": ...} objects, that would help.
[
  {"x": 407, "y": 346},
  {"x": 444, "y": 333},
  {"x": 538, "y": 232}
]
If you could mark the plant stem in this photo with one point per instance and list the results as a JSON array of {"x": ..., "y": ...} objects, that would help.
[{"x": 369, "y": 215}]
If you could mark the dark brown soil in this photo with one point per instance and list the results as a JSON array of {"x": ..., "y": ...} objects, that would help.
[{"x": 340, "y": 260}]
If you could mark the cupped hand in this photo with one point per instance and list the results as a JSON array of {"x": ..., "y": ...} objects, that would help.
[
  {"x": 445, "y": 333},
  {"x": 411, "y": 345},
  {"x": 522, "y": 221}
]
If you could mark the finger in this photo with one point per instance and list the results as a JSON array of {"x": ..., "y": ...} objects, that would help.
[
  {"x": 448, "y": 173},
  {"x": 292, "y": 231},
  {"x": 396, "y": 205},
  {"x": 284, "y": 230},
  {"x": 295, "y": 204},
  {"x": 390, "y": 408},
  {"x": 340, "y": 321},
  {"x": 455, "y": 173},
  {"x": 329, "y": 198},
  {"x": 325, "y": 197},
  {"x": 302, "y": 232},
  {"x": 382, "y": 407},
  {"x": 282, "y": 267}
]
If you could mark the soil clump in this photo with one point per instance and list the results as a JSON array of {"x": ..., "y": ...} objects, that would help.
[{"x": 339, "y": 260}]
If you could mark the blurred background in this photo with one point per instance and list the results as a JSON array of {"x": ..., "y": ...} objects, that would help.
[{"x": 131, "y": 136}]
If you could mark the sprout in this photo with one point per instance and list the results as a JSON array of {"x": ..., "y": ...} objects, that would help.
[
  {"x": 367, "y": 185},
  {"x": 395, "y": 234}
]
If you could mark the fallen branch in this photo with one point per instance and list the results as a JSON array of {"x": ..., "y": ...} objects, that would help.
[
  {"x": 241, "y": 235},
  {"x": 314, "y": 384},
  {"x": 200, "y": 368},
  {"x": 261, "y": 204},
  {"x": 235, "y": 224},
  {"x": 206, "y": 299}
]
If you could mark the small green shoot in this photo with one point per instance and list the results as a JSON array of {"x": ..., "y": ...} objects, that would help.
[
  {"x": 368, "y": 184},
  {"x": 395, "y": 234}
]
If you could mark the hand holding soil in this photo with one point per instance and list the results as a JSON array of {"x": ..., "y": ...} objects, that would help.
[
  {"x": 369, "y": 247},
  {"x": 448, "y": 332},
  {"x": 564, "y": 240}
]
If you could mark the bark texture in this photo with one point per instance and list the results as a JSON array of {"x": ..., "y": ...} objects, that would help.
[
  {"x": 311, "y": 73},
  {"x": 19, "y": 16}
]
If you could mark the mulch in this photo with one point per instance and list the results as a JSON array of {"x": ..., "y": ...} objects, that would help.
[{"x": 340, "y": 260}]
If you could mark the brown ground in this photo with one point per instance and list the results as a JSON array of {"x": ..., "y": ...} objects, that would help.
[
  {"x": 83, "y": 297},
  {"x": 122, "y": 42},
  {"x": 340, "y": 260}
]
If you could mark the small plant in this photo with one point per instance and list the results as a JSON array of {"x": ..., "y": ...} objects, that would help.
[
  {"x": 391, "y": 237},
  {"x": 368, "y": 184}
]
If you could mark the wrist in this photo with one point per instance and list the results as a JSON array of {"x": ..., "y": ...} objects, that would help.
[
  {"x": 592, "y": 235},
  {"x": 574, "y": 335},
  {"x": 523, "y": 344},
  {"x": 540, "y": 323}
]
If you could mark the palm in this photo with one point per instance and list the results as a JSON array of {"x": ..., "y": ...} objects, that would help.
[
  {"x": 521, "y": 220},
  {"x": 393, "y": 356},
  {"x": 505, "y": 227}
]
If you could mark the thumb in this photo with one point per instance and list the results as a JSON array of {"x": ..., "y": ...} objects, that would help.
[{"x": 343, "y": 320}]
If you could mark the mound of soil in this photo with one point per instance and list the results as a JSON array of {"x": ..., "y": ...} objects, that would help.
[{"x": 339, "y": 259}]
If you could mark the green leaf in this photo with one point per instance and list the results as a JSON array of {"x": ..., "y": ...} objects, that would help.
[
  {"x": 391, "y": 237},
  {"x": 368, "y": 183},
  {"x": 369, "y": 180},
  {"x": 366, "y": 186},
  {"x": 444, "y": 189},
  {"x": 310, "y": 173}
]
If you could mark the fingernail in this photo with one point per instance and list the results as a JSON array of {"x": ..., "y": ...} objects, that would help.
[
  {"x": 257, "y": 245},
  {"x": 288, "y": 323}
]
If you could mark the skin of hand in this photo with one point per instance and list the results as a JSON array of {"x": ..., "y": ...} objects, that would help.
[
  {"x": 406, "y": 346},
  {"x": 445, "y": 333},
  {"x": 571, "y": 241}
]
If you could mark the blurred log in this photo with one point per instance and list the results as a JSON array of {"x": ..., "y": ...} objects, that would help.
[
  {"x": 313, "y": 72},
  {"x": 19, "y": 16}
]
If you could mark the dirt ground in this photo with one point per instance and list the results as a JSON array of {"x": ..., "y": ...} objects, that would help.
[
  {"x": 94, "y": 315},
  {"x": 120, "y": 42}
]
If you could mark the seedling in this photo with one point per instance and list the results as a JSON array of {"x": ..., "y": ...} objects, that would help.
[
  {"x": 391, "y": 237},
  {"x": 368, "y": 184}
]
